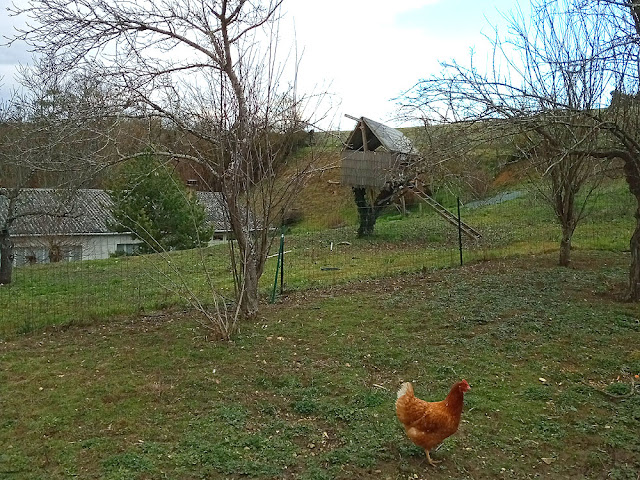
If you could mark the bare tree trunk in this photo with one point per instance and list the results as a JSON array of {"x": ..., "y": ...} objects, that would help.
[
  {"x": 568, "y": 225},
  {"x": 565, "y": 246},
  {"x": 367, "y": 213},
  {"x": 634, "y": 270},
  {"x": 249, "y": 267},
  {"x": 632, "y": 175},
  {"x": 566, "y": 181},
  {"x": 366, "y": 217},
  {"x": 250, "y": 301},
  {"x": 6, "y": 258}
]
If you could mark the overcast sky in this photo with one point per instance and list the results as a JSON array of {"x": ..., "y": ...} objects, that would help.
[{"x": 364, "y": 52}]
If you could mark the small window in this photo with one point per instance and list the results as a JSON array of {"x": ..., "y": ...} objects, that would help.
[
  {"x": 52, "y": 254},
  {"x": 73, "y": 253},
  {"x": 65, "y": 253},
  {"x": 127, "y": 248}
]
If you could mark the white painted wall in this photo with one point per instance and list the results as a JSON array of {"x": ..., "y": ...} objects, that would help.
[{"x": 75, "y": 247}]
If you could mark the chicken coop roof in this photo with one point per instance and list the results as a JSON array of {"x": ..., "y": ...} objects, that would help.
[{"x": 377, "y": 135}]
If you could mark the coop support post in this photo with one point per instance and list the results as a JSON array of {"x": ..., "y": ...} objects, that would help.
[{"x": 459, "y": 231}]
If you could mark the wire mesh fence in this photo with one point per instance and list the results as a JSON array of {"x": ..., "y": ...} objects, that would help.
[{"x": 70, "y": 290}]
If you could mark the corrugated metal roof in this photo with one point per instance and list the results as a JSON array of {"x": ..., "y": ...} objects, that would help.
[
  {"x": 215, "y": 211},
  {"x": 215, "y": 207},
  {"x": 378, "y": 135},
  {"x": 46, "y": 211}
]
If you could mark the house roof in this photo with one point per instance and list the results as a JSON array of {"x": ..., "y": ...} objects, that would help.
[
  {"x": 46, "y": 211},
  {"x": 218, "y": 215},
  {"x": 378, "y": 135},
  {"x": 215, "y": 211}
]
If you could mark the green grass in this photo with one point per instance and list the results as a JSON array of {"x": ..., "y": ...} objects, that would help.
[
  {"x": 105, "y": 372},
  {"x": 307, "y": 390},
  {"x": 78, "y": 293}
]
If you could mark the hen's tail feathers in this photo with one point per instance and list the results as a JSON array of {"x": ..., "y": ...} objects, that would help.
[{"x": 405, "y": 388}]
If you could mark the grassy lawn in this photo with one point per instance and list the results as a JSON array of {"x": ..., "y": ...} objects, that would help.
[
  {"x": 82, "y": 292},
  {"x": 307, "y": 391}
]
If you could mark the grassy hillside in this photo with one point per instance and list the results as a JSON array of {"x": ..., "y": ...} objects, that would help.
[{"x": 323, "y": 202}]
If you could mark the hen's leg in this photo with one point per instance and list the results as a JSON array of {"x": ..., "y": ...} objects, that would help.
[{"x": 431, "y": 462}]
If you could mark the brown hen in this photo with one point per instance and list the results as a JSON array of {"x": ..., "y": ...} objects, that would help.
[{"x": 428, "y": 423}]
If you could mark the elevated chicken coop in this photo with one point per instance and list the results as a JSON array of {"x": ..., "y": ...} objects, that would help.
[{"x": 375, "y": 155}]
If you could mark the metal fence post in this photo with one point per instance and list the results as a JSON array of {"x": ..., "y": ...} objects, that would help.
[
  {"x": 282, "y": 262},
  {"x": 459, "y": 231}
]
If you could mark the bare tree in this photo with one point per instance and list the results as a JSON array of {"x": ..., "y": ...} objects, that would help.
[
  {"x": 571, "y": 178},
  {"x": 209, "y": 69},
  {"x": 452, "y": 153},
  {"x": 46, "y": 130},
  {"x": 551, "y": 79}
]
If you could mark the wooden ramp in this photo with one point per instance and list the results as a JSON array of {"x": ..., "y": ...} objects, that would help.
[{"x": 448, "y": 216}]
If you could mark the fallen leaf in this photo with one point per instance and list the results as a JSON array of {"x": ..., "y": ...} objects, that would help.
[{"x": 548, "y": 461}]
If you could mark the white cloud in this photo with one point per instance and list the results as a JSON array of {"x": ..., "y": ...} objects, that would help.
[{"x": 367, "y": 54}]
